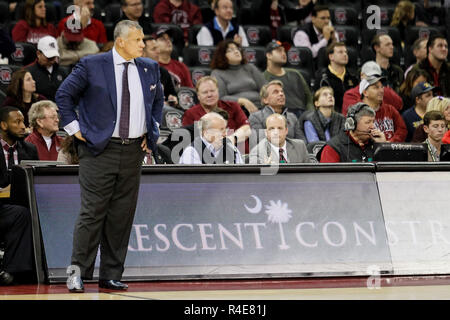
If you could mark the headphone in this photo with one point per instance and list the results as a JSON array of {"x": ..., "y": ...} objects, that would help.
[{"x": 350, "y": 122}]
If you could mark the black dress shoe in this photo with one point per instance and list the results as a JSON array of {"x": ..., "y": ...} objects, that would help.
[
  {"x": 112, "y": 285},
  {"x": 5, "y": 278},
  {"x": 75, "y": 284}
]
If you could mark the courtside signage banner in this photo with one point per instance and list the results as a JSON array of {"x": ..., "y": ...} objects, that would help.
[
  {"x": 235, "y": 225},
  {"x": 416, "y": 211}
]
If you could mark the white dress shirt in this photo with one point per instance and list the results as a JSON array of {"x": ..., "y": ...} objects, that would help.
[
  {"x": 191, "y": 156},
  {"x": 137, "y": 109},
  {"x": 276, "y": 150},
  {"x": 204, "y": 36}
]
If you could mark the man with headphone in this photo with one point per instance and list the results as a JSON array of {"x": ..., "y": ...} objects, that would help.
[{"x": 356, "y": 143}]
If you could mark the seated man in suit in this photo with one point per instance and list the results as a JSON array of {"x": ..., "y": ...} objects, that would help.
[
  {"x": 212, "y": 147},
  {"x": 276, "y": 147},
  {"x": 44, "y": 120},
  {"x": 15, "y": 222},
  {"x": 15, "y": 148}
]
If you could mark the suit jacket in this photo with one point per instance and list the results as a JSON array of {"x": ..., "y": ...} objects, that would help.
[
  {"x": 296, "y": 152},
  {"x": 25, "y": 151},
  {"x": 92, "y": 87}
]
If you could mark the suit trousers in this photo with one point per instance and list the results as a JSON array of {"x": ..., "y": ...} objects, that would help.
[
  {"x": 15, "y": 231},
  {"x": 109, "y": 184}
]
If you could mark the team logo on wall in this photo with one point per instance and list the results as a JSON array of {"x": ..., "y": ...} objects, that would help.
[
  {"x": 5, "y": 75},
  {"x": 18, "y": 55},
  {"x": 250, "y": 55},
  {"x": 293, "y": 56},
  {"x": 204, "y": 56},
  {"x": 253, "y": 35},
  {"x": 340, "y": 16}
]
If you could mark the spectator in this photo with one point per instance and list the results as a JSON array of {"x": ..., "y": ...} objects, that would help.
[
  {"x": 179, "y": 12},
  {"x": 318, "y": 33},
  {"x": 419, "y": 50},
  {"x": 73, "y": 46},
  {"x": 133, "y": 10},
  {"x": 298, "y": 95},
  {"x": 436, "y": 64},
  {"x": 44, "y": 120},
  {"x": 151, "y": 51},
  {"x": 276, "y": 147},
  {"x": 429, "y": 13},
  {"x": 45, "y": 70},
  {"x": 268, "y": 13},
  {"x": 21, "y": 93},
  {"x": 435, "y": 126},
  {"x": 301, "y": 14},
  {"x": 356, "y": 143},
  {"x": 7, "y": 46},
  {"x": 353, "y": 96},
  {"x": 179, "y": 72},
  {"x": 82, "y": 17},
  {"x": 421, "y": 93},
  {"x": 387, "y": 118},
  {"x": 274, "y": 101},
  {"x": 403, "y": 17},
  {"x": 208, "y": 96},
  {"x": 414, "y": 77},
  {"x": 238, "y": 80},
  {"x": 34, "y": 26},
  {"x": 68, "y": 152},
  {"x": 15, "y": 149},
  {"x": 221, "y": 27},
  {"x": 438, "y": 103},
  {"x": 336, "y": 75},
  {"x": 323, "y": 123},
  {"x": 383, "y": 47},
  {"x": 212, "y": 146}
]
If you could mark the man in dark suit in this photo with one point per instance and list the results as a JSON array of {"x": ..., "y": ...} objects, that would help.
[
  {"x": 113, "y": 131},
  {"x": 15, "y": 221}
]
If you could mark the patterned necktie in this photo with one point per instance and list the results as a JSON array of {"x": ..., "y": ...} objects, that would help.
[
  {"x": 282, "y": 158},
  {"x": 124, "y": 124},
  {"x": 10, "y": 156}
]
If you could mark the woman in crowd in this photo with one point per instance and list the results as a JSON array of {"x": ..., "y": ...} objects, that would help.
[
  {"x": 413, "y": 78},
  {"x": 404, "y": 16},
  {"x": 323, "y": 123},
  {"x": 438, "y": 103},
  {"x": 21, "y": 92},
  {"x": 34, "y": 25},
  {"x": 238, "y": 80},
  {"x": 68, "y": 152}
]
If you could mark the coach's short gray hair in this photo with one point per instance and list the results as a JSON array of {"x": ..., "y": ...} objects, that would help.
[
  {"x": 123, "y": 27},
  {"x": 37, "y": 111}
]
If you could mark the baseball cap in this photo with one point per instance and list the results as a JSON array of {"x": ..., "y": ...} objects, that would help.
[
  {"x": 421, "y": 88},
  {"x": 73, "y": 35},
  {"x": 276, "y": 44},
  {"x": 48, "y": 46},
  {"x": 365, "y": 83},
  {"x": 162, "y": 30},
  {"x": 371, "y": 68}
]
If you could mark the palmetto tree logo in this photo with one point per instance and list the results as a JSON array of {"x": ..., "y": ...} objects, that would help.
[{"x": 277, "y": 212}]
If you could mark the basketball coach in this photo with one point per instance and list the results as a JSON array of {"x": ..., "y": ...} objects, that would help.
[{"x": 119, "y": 99}]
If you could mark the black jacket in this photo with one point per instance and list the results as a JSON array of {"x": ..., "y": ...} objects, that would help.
[
  {"x": 26, "y": 151},
  {"x": 349, "y": 151},
  {"x": 47, "y": 83}
]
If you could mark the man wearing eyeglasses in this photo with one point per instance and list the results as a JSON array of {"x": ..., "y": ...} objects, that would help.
[
  {"x": 45, "y": 70},
  {"x": 133, "y": 10},
  {"x": 43, "y": 117}
]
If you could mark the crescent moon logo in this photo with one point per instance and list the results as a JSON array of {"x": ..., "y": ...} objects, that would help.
[{"x": 257, "y": 208}]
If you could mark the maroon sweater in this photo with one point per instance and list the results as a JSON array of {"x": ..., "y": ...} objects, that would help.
[{"x": 43, "y": 152}]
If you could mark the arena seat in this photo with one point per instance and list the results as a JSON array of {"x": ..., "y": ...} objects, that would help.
[
  {"x": 187, "y": 97},
  {"x": 177, "y": 35},
  {"x": 300, "y": 58},
  {"x": 350, "y": 35},
  {"x": 343, "y": 15},
  {"x": 24, "y": 55},
  {"x": 194, "y": 55},
  {"x": 4, "y": 12},
  {"x": 257, "y": 35},
  {"x": 6, "y": 71},
  {"x": 416, "y": 32},
  {"x": 113, "y": 12},
  {"x": 256, "y": 55},
  {"x": 285, "y": 33},
  {"x": 198, "y": 72},
  {"x": 192, "y": 34}
]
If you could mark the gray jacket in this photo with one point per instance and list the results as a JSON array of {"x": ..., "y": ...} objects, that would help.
[{"x": 296, "y": 152}]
